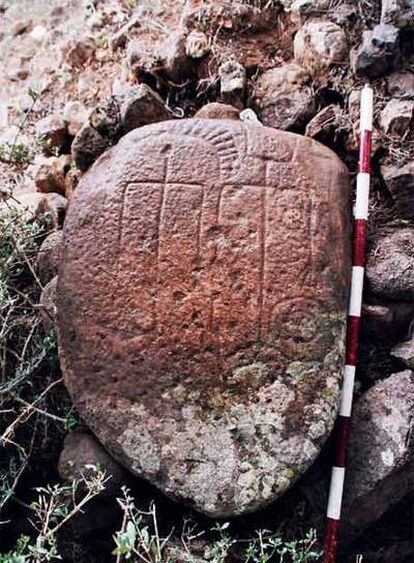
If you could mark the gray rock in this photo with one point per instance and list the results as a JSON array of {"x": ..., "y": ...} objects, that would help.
[
  {"x": 48, "y": 301},
  {"x": 387, "y": 323},
  {"x": 75, "y": 116},
  {"x": 345, "y": 14},
  {"x": 87, "y": 145},
  {"x": 52, "y": 131},
  {"x": 72, "y": 179},
  {"x": 232, "y": 82},
  {"x": 215, "y": 110},
  {"x": 47, "y": 259},
  {"x": 404, "y": 351},
  {"x": 140, "y": 105},
  {"x": 301, "y": 9},
  {"x": 401, "y": 85},
  {"x": 175, "y": 63},
  {"x": 197, "y": 45},
  {"x": 397, "y": 12},
  {"x": 226, "y": 14},
  {"x": 390, "y": 266},
  {"x": 76, "y": 52},
  {"x": 400, "y": 182},
  {"x": 105, "y": 118},
  {"x": 81, "y": 452},
  {"x": 325, "y": 123},
  {"x": 381, "y": 452},
  {"x": 379, "y": 52},
  {"x": 49, "y": 175},
  {"x": 141, "y": 58},
  {"x": 320, "y": 43},
  {"x": 284, "y": 98},
  {"x": 397, "y": 116}
]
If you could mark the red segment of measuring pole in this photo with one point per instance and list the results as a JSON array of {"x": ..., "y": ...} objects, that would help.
[
  {"x": 360, "y": 239},
  {"x": 353, "y": 326},
  {"x": 365, "y": 152}
]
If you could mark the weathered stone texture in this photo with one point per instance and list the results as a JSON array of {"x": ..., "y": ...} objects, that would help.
[
  {"x": 381, "y": 452},
  {"x": 202, "y": 295}
]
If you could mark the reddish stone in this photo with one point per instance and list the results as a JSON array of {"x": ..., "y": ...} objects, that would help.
[{"x": 201, "y": 302}]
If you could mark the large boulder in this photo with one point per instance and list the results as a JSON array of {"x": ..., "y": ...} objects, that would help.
[
  {"x": 320, "y": 43},
  {"x": 284, "y": 98},
  {"x": 397, "y": 12},
  {"x": 380, "y": 453},
  {"x": 201, "y": 305},
  {"x": 390, "y": 266},
  {"x": 400, "y": 182},
  {"x": 397, "y": 116},
  {"x": 379, "y": 51}
]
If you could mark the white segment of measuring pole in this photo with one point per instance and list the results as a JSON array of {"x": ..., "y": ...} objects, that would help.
[
  {"x": 335, "y": 493},
  {"x": 366, "y": 108},
  {"x": 347, "y": 391},
  {"x": 362, "y": 196},
  {"x": 357, "y": 285}
]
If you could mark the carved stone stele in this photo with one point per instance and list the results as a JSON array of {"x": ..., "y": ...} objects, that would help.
[{"x": 201, "y": 302}]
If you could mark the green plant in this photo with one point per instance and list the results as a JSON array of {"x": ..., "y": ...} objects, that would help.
[
  {"x": 136, "y": 538},
  {"x": 31, "y": 390},
  {"x": 55, "y": 506},
  {"x": 274, "y": 548},
  {"x": 16, "y": 153}
]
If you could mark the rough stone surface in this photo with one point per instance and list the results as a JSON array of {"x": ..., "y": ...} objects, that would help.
[
  {"x": 48, "y": 304},
  {"x": 325, "y": 123},
  {"x": 106, "y": 119},
  {"x": 401, "y": 85},
  {"x": 301, "y": 9},
  {"x": 87, "y": 145},
  {"x": 232, "y": 82},
  {"x": 50, "y": 174},
  {"x": 227, "y": 15},
  {"x": 141, "y": 58},
  {"x": 284, "y": 98},
  {"x": 81, "y": 450},
  {"x": 397, "y": 12},
  {"x": 397, "y": 116},
  {"x": 77, "y": 52},
  {"x": 72, "y": 179},
  {"x": 197, "y": 45},
  {"x": 215, "y": 110},
  {"x": 75, "y": 115},
  {"x": 404, "y": 351},
  {"x": 387, "y": 324},
  {"x": 173, "y": 56},
  {"x": 52, "y": 130},
  {"x": 379, "y": 51},
  {"x": 47, "y": 259},
  {"x": 400, "y": 182},
  {"x": 381, "y": 452},
  {"x": 321, "y": 43},
  {"x": 140, "y": 105},
  {"x": 390, "y": 266},
  {"x": 201, "y": 304}
]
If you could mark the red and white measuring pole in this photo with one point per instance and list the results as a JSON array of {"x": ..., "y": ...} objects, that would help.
[{"x": 353, "y": 325}]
